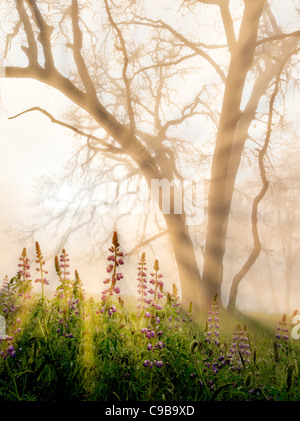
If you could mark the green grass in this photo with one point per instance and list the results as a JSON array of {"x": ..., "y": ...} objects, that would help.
[
  {"x": 103, "y": 361},
  {"x": 73, "y": 348}
]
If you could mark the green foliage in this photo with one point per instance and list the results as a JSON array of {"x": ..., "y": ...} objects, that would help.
[{"x": 71, "y": 348}]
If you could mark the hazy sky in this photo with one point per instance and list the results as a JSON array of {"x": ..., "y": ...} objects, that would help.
[{"x": 30, "y": 146}]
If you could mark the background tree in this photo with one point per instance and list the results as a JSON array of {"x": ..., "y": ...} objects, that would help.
[
  {"x": 128, "y": 69},
  {"x": 282, "y": 220}
]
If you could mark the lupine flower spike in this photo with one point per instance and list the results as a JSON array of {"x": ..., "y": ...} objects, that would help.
[
  {"x": 142, "y": 287},
  {"x": 40, "y": 261},
  {"x": 64, "y": 292},
  {"x": 240, "y": 348},
  {"x": 282, "y": 330},
  {"x": 6, "y": 305},
  {"x": 116, "y": 260},
  {"x": 78, "y": 291},
  {"x": 77, "y": 295},
  {"x": 62, "y": 269},
  {"x": 212, "y": 334},
  {"x": 57, "y": 268},
  {"x": 153, "y": 332},
  {"x": 25, "y": 281},
  {"x": 157, "y": 290},
  {"x": 65, "y": 265},
  {"x": 282, "y": 337}
]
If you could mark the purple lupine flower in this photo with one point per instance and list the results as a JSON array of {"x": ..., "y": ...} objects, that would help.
[
  {"x": 240, "y": 346},
  {"x": 64, "y": 290},
  {"x": 64, "y": 265},
  {"x": 25, "y": 287},
  {"x": 212, "y": 323},
  {"x": 152, "y": 332},
  {"x": 116, "y": 258},
  {"x": 282, "y": 330},
  {"x": 10, "y": 350},
  {"x": 142, "y": 286},
  {"x": 157, "y": 291}
]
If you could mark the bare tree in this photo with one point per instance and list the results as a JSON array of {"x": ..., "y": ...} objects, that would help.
[
  {"x": 126, "y": 72},
  {"x": 282, "y": 216}
]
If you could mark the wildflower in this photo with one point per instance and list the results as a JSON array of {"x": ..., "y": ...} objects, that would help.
[
  {"x": 282, "y": 329},
  {"x": 10, "y": 350},
  {"x": 142, "y": 287},
  {"x": 25, "y": 265},
  {"x": 153, "y": 333},
  {"x": 240, "y": 348},
  {"x": 213, "y": 326},
  {"x": 64, "y": 265},
  {"x": 25, "y": 287},
  {"x": 63, "y": 291},
  {"x": 107, "y": 293},
  {"x": 159, "y": 345},
  {"x": 157, "y": 292},
  {"x": 281, "y": 342},
  {"x": 5, "y": 284},
  {"x": 211, "y": 385},
  {"x": 7, "y": 303},
  {"x": 41, "y": 262},
  {"x": 78, "y": 291}
]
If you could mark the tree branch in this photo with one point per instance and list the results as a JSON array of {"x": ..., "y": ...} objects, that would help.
[
  {"x": 228, "y": 24},
  {"x": 77, "y": 46},
  {"x": 278, "y": 37},
  {"x": 162, "y": 25},
  {"x": 32, "y": 50},
  {"x": 124, "y": 71},
  {"x": 108, "y": 147},
  {"x": 145, "y": 242},
  {"x": 45, "y": 33}
]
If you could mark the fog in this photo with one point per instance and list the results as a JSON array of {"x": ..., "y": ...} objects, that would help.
[
  {"x": 32, "y": 146},
  {"x": 160, "y": 86}
]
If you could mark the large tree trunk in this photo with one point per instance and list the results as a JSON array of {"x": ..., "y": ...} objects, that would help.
[
  {"x": 221, "y": 185},
  {"x": 189, "y": 274}
]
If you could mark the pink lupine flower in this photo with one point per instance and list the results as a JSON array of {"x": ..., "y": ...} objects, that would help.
[
  {"x": 107, "y": 293},
  {"x": 212, "y": 332},
  {"x": 157, "y": 291},
  {"x": 40, "y": 260},
  {"x": 24, "y": 275},
  {"x": 152, "y": 333},
  {"x": 63, "y": 291}
]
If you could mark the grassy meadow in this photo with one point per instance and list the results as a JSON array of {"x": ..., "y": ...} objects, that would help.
[{"x": 75, "y": 348}]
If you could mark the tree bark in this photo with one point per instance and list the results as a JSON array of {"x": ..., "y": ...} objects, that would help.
[
  {"x": 220, "y": 192},
  {"x": 189, "y": 273}
]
